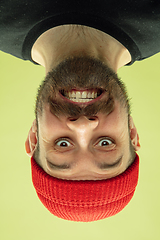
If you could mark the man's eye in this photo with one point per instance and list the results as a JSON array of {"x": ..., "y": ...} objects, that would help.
[
  {"x": 104, "y": 142},
  {"x": 63, "y": 143}
]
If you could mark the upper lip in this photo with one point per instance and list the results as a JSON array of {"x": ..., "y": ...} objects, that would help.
[{"x": 83, "y": 103}]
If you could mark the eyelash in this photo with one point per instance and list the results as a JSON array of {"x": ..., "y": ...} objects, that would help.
[
  {"x": 62, "y": 139},
  {"x": 104, "y": 138}
]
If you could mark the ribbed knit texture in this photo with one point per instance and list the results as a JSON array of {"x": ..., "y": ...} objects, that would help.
[{"x": 85, "y": 201}]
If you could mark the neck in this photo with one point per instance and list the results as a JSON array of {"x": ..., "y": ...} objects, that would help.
[{"x": 58, "y": 43}]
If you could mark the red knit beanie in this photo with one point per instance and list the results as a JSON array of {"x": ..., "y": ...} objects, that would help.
[{"x": 87, "y": 200}]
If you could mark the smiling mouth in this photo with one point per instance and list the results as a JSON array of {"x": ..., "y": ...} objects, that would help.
[{"x": 82, "y": 96}]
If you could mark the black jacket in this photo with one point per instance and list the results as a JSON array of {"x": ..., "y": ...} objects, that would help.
[{"x": 134, "y": 23}]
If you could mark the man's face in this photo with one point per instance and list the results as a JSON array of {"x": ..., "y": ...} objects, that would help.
[{"x": 83, "y": 141}]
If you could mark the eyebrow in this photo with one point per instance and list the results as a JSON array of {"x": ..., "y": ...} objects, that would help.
[
  {"x": 103, "y": 166},
  {"x": 58, "y": 167}
]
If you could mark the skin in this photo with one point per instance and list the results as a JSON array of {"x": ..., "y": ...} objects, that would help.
[
  {"x": 83, "y": 150},
  {"x": 61, "y": 42},
  {"x": 82, "y": 153}
]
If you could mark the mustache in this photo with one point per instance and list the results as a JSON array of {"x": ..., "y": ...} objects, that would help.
[
  {"x": 80, "y": 72},
  {"x": 60, "y": 108}
]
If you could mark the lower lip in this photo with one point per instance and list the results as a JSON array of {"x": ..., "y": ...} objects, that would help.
[{"x": 82, "y": 103}]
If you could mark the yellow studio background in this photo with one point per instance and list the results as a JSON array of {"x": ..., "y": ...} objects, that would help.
[{"x": 22, "y": 216}]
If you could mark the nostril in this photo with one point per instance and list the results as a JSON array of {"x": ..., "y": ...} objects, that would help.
[
  {"x": 92, "y": 118},
  {"x": 72, "y": 119}
]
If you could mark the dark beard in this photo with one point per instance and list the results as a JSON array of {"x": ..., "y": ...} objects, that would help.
[{"x": 81, "y": 72}]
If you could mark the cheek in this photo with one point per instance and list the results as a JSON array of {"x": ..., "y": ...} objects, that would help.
[
  {"x": 48, "y": 123},
  {"x": 116, "y": 125},
  {"x": 49, "y": 128}
]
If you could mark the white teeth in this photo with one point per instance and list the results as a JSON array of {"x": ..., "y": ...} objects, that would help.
[
  {"x": 79, "y": 96},
  {"x": 92, "y": 95},
  {"x": 80, "y": 100},
  {"x": 72, "y": 94},
  {"x": 84, "y": 94}
]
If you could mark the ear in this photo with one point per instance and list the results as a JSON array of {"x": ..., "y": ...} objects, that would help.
[
  {"x": 31, "y": 142},
  {"x": 134, "y": 135}
]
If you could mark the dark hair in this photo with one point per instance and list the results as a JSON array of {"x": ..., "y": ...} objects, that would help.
[{"x": 81, "y": 71}]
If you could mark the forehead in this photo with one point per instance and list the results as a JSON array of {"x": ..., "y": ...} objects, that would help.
[{"x": 43, "y": 149}]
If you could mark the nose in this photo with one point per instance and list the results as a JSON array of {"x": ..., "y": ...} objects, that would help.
[{"x": 83, "y": 122}]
